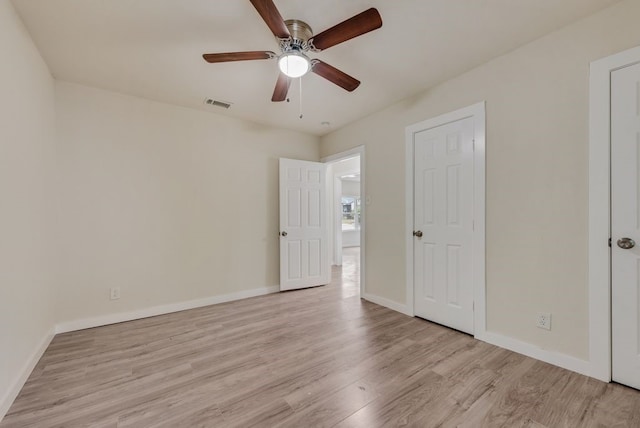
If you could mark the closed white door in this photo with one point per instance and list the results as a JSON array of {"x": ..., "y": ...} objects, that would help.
[
  {"x": 443, "y": 224},
  {"x": 625, "y": 225},
  {"x": 304, "y": 253}
]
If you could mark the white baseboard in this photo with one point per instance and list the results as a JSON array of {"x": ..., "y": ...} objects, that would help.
[
  {"x": 398, "y": 307},
  {"x": 556, "y": 358},
  {"x": 8, "y": 398},
  {"x": 82, "y": 324},
  {"x": 10, "y": 395},
  {"x": 552, "y": 357}
]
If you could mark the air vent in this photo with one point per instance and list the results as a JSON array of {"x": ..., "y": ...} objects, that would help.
[{"x": 216, "y": 103}]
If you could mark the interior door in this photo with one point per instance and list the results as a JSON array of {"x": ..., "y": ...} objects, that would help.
[
  {"x": 625, "y": 225},
  {"x": 304, "y": 253},
  {"x": 443, "y": 224}
]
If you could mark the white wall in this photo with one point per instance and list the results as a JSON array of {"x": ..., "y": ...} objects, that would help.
[
  {"x": 537, "y": 135},
  {"x": 350, "y": 188},
  {"x": 27, "y": 203},
  {"x": 350, "y": 238},
  {"x": 168, "y": 203}
]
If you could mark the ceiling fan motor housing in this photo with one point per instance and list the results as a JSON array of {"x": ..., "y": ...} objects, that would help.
[{"x": 300, "y": 34}]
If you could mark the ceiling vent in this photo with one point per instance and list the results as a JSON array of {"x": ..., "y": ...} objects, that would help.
[{"x": 216, "y": 103}]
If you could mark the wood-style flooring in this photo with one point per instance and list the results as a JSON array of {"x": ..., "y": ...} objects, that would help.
[{"x": 311, "y": 358}]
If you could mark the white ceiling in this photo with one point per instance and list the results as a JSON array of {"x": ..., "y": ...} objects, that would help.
[{"x": 153, "y": 49}]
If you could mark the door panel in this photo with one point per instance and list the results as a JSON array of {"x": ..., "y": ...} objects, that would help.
[
  {"x": 303, "y": 229},
  {"x": 443, "y": 204},
  {"x": 625, "y": 223}
]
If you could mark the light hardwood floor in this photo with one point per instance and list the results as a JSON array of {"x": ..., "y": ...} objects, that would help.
[{"x": 317, "y": 357}]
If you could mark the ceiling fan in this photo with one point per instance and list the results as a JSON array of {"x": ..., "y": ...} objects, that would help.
[{"x": 295, "y": 38}]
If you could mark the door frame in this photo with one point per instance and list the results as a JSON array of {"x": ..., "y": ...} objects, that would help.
[
  {"x": 599, "y": 275},
  {"x": 356, "y": 151},
  {"x": 477, "y": 112}
]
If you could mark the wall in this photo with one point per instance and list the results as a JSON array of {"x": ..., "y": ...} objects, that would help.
[
  {"x": 27, "y": 204},
  {"x": 169, "y": 204},
  {"x": 350, "y": 188},
  {"x": 537, "y": 141}
]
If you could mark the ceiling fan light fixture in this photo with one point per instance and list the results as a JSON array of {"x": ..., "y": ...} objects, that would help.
[{"x": 294, "y": 64}]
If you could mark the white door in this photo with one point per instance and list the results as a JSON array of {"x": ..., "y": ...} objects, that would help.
[
  {"x": 625, "y": 225},
  {"x": 303, "y": 228},
  {"x": 443, "y": 224}
]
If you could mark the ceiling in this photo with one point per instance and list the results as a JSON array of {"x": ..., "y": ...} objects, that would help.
[{"x": 153, "y": 49}]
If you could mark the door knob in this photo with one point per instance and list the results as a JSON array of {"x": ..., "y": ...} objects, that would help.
[
  {"x": 283, "y": 233},
  {"x": 626, "y": 243},
  {"x": 417, "y": 233}
]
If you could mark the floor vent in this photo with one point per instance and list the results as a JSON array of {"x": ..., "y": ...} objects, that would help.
[{"x": 216, "y": 103}]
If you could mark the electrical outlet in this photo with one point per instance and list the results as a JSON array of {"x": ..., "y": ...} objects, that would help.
[
  {"x": 115, "y": 293},
  {"x": 543, "y": 320}
]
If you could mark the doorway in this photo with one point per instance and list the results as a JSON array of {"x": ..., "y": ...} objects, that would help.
[
  {"x": 613, "y": 286},
  {"x": 625, "y": 225},
  {"x": 445, "y": 223},
  {"x": 346, "y": 209}
]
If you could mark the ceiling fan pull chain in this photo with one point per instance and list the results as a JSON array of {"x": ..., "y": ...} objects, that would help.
[{"x": 300, "y": 79}]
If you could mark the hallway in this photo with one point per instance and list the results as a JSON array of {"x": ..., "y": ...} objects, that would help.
[{"x": 348, "y": 275}]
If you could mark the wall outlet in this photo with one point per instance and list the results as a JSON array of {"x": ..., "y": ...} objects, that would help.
[
  {"x": 115, "y": 293},
  {"x": 543, "y": 320}
]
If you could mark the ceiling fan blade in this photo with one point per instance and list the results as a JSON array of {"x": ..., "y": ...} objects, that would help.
[
  {"x": 272, "y": 18},
  {"x": 238, "y": 56},
  {"x": 358, "y": 25},
  {"x": 282, "y": 88},
  {"x": 334, "y": 75}
]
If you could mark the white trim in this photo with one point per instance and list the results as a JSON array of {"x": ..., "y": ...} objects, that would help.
[
  {"x": 10, "y": 395},
  {"x": 81, "y": 324},
  {"x": 351, "y": 153},
  {"x": 398, "y": 307},
  {"x": 599, "y": 209},
  {"x": 556, "y": 358},
  {"x": 477, "y": 112},
  {"x": 408, "y": 220},
  {"x": 68, "y": 326},
  {"x": 357, "y": 151}
]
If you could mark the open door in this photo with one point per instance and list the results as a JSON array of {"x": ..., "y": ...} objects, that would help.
[{"x": 304, "y": 253}]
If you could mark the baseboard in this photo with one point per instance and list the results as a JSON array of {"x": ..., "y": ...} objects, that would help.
[
  {"x": 82, "y": 324},
  {"x": 8, "y": 398},
  {"x": 398, "y": 307},
  {"x": 556, "y": 358}
]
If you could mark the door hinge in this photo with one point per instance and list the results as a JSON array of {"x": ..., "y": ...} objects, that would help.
[{"x": 609, "y": 242}]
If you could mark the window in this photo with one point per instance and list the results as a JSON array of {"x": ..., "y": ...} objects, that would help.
[{"x": 350, "y": 213}]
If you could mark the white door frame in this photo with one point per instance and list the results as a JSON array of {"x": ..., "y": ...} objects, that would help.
[
  {"x": 477, "y": 112},
  {"x": 357, "y": 151},
  {"x": 600, "y": 209}
]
